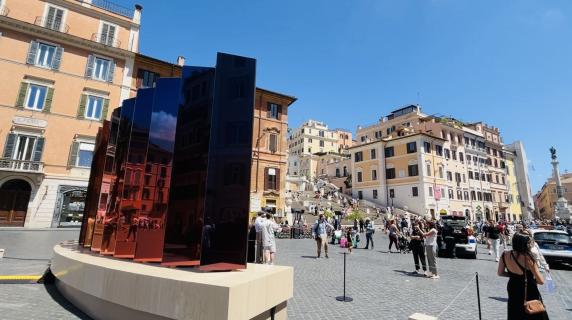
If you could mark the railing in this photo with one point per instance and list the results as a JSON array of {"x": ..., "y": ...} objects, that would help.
[
  {"x": 106, "y": 40},
  {"x": 111, "y": 7},
  {"x": 20, "y": 165},
  {"x": 4, "y": 11},
  {"x": 51, "y": 24}
]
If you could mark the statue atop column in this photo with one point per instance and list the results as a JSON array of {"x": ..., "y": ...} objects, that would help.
[{"x": 561, "y": 210}]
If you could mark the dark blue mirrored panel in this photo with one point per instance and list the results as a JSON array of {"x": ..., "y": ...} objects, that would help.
[
  {"x": 121, "y": 151},
  {"x": 155, "y": 187},
  {"x": 186, "y": 211},
  {"x": 132, "y": 205},
  {"x": 224, "y": 239}
]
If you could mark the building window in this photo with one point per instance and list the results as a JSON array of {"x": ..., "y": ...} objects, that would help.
[
  {"x": 427, "y": 147},
  {"x": 358, "y": 156},
  {"x": 471, "y": 175},
  {"x": 389, "y": 152},
  {"x": 413, "y": 170},
  {"x": 390, "y": 173},
  {"x": 449, "y": 176},
  {"x": 439, "y": 150},
  {"x": 375, "y": 194},
  {"x": 45, "y": 55},
  {"x": 447, "y": 154},
  {"x": 36, "y": 97},
  {"x": 54, "y": 18},
  {"x": 274, "y": 111},
  {"x": 454, "y": 154},
  {"x": 441, "y": 172},
  {"x": 107, "y": 35},
  {"x": 392, "y": 193},
  {"x": 473, "y": 195},
  {"x": 412, "y": 147},
  {"x": 374, "y": 174},
  {"x": 372, "y": 153},
  {"x": 100, "y": 69},
  {"x": 429, "y": 170},
  {"x": 272, "y": 178},
  {"x": 93, "y": 107},
  {"x": 430, "y": 191},
  {"x": 461, "y": 157},
  {"x": 415, "y": 191},
  {"x": 459, "y": 195},
  {"x": 480, "y": 196},
  {"x": 457, "y": 177},
  {"x": 359, "y": 177},
  {"x": 360, "y": 195},
  {"x": 85, "y": 155},
  {"x": 451, "y": 195},
  {"x": 466, "y": 194},
  {"x": 273, "y": 143},
  {"x": 321, "y": 133},
  {"x": 147, "y": 79},
  {"x": 321, "y": 143}
]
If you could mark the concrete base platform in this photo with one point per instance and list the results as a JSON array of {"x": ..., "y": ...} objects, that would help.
[{"x": 106, "y": 288}]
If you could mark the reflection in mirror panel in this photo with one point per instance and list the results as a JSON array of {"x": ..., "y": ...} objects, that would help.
[
  {"x": 157, "y": 172},
  {"x": 108, "y": 180},
  {"x": 131, "y": 204},
  {"x": 224, "y": 237},
  {"x": 94, "y": 185},
  {"x": 112, "y": 215},
  {"x": 187, "y": 197}
]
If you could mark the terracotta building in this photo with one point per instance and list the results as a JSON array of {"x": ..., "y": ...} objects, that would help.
[
  {"x": 546, "y": 198},
  {"x": 64, "y": 65}
]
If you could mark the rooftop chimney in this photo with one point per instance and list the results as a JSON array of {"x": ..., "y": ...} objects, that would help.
[
  {"x": 181, "y": 61},
  {"x": 137, "y": 13}
]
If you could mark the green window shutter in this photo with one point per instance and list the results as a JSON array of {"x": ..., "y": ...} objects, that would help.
[
  {"x": 22, "y": 94},
  {"x": 39, "y": 149},
  {"x": 111, "y": 72},
  {"x": 73, "y": 154},
  {"x": 90, "y": 65},
  {"x": 32, "y": 52},
  {"x": 9, "y": 146},
  {"x": 105, "y": 109},
  {"x": 58, "y": 58},
  {"x": 81, "y": 109},
  {"x": 48, "y": 102}
]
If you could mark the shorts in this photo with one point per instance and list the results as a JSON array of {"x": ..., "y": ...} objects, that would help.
[{"x": 271, "y": 248}]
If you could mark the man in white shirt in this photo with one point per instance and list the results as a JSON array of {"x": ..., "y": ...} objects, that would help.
[{"x": 258, "y": 226}]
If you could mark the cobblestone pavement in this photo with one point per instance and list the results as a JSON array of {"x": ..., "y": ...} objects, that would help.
[{"x": 378, "y": 281}]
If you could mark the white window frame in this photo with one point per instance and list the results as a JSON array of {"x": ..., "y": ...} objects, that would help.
[
  {"x": 47, "y": 43},
  {"x": 100, "y": 31},
  {"x": 84, "y": 142},
  {"x": 99, "y": 96},
  {"x": 95, "y": 57},
  {"x": 29, "y": 91},
  {"x": 47, "y": 6}
]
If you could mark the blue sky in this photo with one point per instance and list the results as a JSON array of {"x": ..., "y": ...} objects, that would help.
[{"x": 508, "y": 63}]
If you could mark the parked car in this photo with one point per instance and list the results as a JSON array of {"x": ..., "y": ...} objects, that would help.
[
  {"x": 455, "y": 228},
  {"x": 555, "y": 245}
]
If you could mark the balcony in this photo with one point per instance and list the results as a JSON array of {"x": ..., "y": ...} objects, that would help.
[
  {"x": 4, "y": 11},
  {"x": 106, "y": 40},
  {"x": 111, "y": 7},
  {"x": 21, "y": 166},
  {"x": 51, "y": 24}
]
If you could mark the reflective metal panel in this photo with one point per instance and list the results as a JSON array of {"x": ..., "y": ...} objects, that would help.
[
  {"x": 224, "y": 238},
  {"x": 94, "y": 186},
  {"x": 131, "y": 205},
  {"x": 156, "y": 183},
  {"x": 116, "y": 192}
]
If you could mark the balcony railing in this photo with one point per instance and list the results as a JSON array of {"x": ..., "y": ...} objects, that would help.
[
  {"x": 20, "y": 165},
  {"x": 52, "y": 24},
  {"x": 4, "y": 11},
  {"x": 106, "y": 40},
  {"x": 112, "y": 7}
]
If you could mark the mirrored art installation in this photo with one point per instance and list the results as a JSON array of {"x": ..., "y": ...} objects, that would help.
[{"x": 170, "y": 179}]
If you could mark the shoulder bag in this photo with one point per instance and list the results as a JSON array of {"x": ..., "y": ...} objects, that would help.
[{"x": 532, "y": 306}]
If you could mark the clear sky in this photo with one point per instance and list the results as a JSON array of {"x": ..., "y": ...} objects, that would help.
[{"x": 349, "y": 62}]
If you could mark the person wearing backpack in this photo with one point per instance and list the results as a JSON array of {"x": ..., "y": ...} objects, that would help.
[
  {"x": 369, "y": 231},
  {"x": 320, "y": 233}
]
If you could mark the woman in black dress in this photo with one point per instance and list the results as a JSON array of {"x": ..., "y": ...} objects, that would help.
[{"x": 516, "y": 265}]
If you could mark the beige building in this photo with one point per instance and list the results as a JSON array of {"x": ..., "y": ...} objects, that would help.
[
  {"x": 452, "y": 167},
  {"x": 64, "y": 65},
  {"x": 547, "y": 196}
]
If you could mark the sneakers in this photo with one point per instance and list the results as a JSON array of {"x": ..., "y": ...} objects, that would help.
[
  {"x": 327, "y": 257},
  {"x": 435, "y": 276},
  {"x": 497, "y": 259},
  {"x": 490, "y": 252}
]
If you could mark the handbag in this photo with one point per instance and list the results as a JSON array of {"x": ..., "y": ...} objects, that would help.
[{"x": 532, "y": 306}]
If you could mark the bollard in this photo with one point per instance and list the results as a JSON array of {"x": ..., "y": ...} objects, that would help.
[
  {"x": 478, "y": 295},
  {"x": 344, "y": 298}
]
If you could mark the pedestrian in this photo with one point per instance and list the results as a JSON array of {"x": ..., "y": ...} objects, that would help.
[
  {"x": 269, "y": 226},
  {"x": 320, "y": 233},
  {"x": 361, "y": 225},
  {"x": 258, "y": 226},
  {"x": 418, "y": 248},
  {"x": 369, "y": 231},
  {"x": 355, "y": 224},
  {"x": 494, "y": 236},
  {"x": 431, "y": 250},
  {"x": 393, "y": 235},
  {"x": 524, "y": 276},
  {"x": 404, "y": 226},
  {"x": 251, "y": 256}
]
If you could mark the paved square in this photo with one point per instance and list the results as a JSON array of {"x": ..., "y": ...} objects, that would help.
[{"x": 378, "y": 281}]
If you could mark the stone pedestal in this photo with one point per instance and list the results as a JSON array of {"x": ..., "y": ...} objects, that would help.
[{"x": 107, "y": 288}]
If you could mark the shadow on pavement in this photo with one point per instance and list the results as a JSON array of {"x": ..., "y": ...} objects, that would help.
[
  {"x": 62, "y": 301},
  {"x": 309, "y": 257},
  {"x": 409, "y": 273},
  {"x": 501, "y": 299}
]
